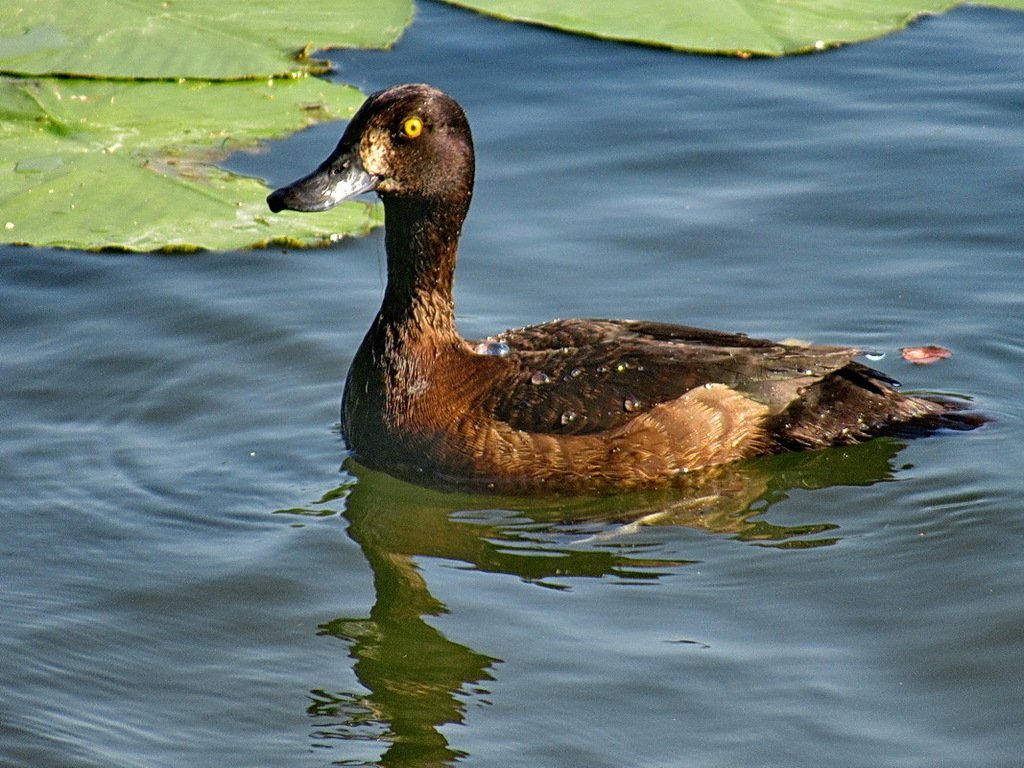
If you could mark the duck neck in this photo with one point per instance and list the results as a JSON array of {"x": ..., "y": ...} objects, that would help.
[{"x": 421, "y": 239}]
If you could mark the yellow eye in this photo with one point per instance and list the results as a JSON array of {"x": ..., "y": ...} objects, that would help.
[{"x": 412, "y": 127}]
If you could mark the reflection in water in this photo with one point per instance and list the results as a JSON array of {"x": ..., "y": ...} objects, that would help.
[{"x": 417, "y": 679}]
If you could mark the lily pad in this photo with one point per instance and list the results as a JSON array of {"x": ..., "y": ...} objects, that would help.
[
  {"x": 731, "y": 27},
  {"x": 206, "y": 39},
  {"x": 129, "y": 166}
]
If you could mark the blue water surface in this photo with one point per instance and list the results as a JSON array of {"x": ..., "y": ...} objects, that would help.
[{"x": 187, "y": 578}]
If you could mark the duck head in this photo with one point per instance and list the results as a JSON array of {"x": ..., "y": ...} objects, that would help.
[{"x": 410, "y": 142}]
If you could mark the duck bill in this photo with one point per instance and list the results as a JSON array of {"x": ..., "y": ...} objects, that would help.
[{"x": 338, "y": 178}]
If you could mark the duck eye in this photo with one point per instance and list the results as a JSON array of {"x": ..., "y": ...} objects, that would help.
[{"x": 412, "y": 127}]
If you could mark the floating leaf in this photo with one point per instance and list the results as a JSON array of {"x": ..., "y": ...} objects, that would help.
[
  {"x": 207, "y": 39},
  {"x": 925, "y": 355},
  {"x": 115, "y": 165},
  {"x": 734, "y": 27}
]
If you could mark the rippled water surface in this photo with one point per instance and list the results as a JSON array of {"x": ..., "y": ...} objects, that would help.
[{"x": 186, "y": 577}]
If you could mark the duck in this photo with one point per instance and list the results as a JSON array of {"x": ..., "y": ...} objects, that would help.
[{"x": 568, "y": 404}]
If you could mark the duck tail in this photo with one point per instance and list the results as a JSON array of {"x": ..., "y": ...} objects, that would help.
[
  {"x": 949, "y": 413},
  {"x": 856, "y": 403}
]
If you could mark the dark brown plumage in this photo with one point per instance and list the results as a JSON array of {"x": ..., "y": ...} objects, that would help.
[{"x": 571, "y": 403}]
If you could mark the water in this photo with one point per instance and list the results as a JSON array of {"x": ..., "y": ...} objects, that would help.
[{"x": 187, "y": 578}]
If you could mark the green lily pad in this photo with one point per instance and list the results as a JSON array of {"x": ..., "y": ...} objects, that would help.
[
  {"x": 731, "y": 27},
  {"x": 205, "y": 39},
  {"x": 129, "y": 166}
]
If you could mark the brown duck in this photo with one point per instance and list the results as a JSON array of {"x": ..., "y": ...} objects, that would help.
[{"x": 566, "y": 404}]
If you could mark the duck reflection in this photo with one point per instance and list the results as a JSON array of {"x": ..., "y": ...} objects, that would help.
[{"x": 418, "y": 680}]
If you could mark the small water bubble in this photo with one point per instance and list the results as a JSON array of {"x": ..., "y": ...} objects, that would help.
[
  {"x": 575, "y": 373},
  {"x": 631, "y": 404},
  {"x": 39, "y": 164},
  {"x": 874, "y": 355},
  {"x": 602, "y": 369},
  {"x": 497, "y": 347},
  {"x": 568, "y": 417},
  {"x": 540, "y": 378}
]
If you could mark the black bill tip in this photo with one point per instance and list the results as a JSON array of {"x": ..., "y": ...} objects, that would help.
[{"x": 276, "y": 200}]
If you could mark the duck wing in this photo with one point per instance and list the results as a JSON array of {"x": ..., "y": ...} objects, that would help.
[{"x": 575, "y": 377}]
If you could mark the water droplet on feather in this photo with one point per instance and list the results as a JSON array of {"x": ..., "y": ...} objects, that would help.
[{"x": 497, "y": 347}]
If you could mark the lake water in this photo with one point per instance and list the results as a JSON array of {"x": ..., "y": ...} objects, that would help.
[{"x": 187, "y": 578}]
